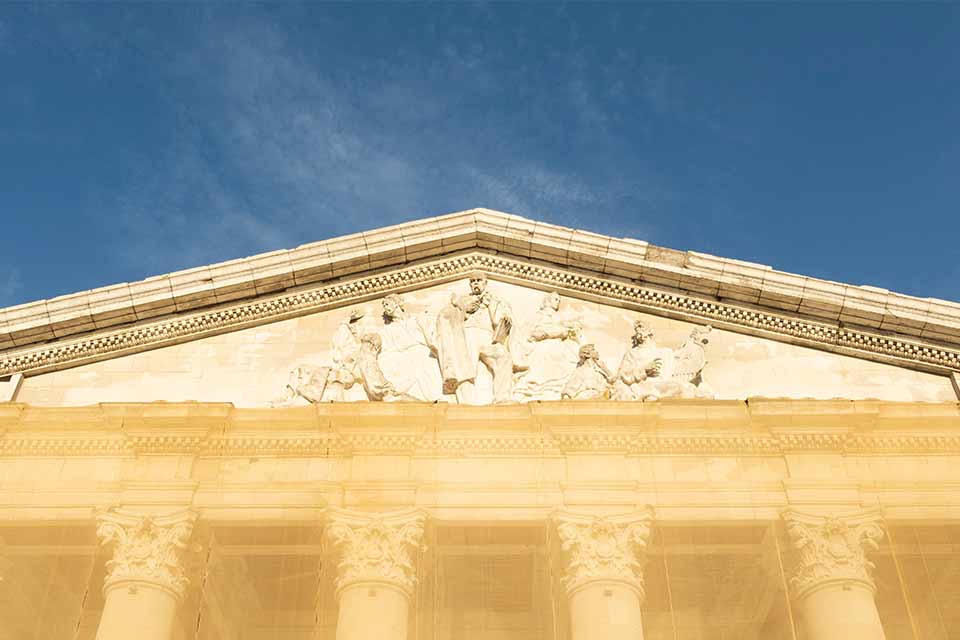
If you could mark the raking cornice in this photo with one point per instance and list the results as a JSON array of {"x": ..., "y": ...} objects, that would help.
[
  {"x": 744, "y": 297},
  {"x": 742, "y": 318}
]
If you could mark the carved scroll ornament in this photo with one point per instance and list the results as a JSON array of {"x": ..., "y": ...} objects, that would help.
[
  {"x": 147, "y": 548},
  {"x": 607, "y": 549},
  {"x": 376, "y": 548},
  {"x": 832, "y": 549}
]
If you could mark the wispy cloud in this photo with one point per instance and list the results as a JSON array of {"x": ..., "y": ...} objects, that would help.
[
  {"x": 301, "y": 151},
  {"x": 10, "y": 285}
]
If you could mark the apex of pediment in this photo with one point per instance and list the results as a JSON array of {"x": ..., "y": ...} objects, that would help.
[{"x": 710, "y": 280}]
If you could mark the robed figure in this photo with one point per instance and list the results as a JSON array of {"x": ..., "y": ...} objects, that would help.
[{"x": 474, "y": 329}]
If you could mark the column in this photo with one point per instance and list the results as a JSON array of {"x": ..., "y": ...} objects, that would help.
[
  {"x": 602, "y": 573},
  {"x": 145, "y": 581},
  {"x": 376, "y": 574},
  {"x": 831, "y": 583}
]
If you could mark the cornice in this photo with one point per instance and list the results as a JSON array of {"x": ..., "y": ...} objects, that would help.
[
  {"x": 244, "y": 292},
  {"x": 738, "y": 317}
]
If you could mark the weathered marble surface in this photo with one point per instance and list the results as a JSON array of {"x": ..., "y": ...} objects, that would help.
[{"x": 252, "y": 367}]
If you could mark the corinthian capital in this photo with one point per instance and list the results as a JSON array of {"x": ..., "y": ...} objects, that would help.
[
  {"x": 376, "y": 548},
  {"x": 611, "y": 548},
  {"x": 832, "y": 549},
  {"x": 148, "y": 548}
]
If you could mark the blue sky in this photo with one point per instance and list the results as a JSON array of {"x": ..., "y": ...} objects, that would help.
[{"x": 138, "y": 139}]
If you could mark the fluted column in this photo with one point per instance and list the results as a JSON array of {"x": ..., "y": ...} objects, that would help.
[
  {"x": 376, "y": 574},
  {"x": 145, "y": 580},
  {"x": 602, "y": 573},
  {"x": 831, "y": 582}
]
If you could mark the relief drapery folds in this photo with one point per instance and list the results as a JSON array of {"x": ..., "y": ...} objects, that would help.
[
  {"x": 473, "y": 350},
  {"x": 603, "y": 548},
  {"x": 832, "y": 549},
  {"x": 147, "y": 548},
  {"x": 376, "y": 548}
]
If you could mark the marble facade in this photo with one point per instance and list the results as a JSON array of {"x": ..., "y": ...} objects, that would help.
[{"x": 479, "y": 426}]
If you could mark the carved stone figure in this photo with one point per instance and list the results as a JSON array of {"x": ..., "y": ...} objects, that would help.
[
  {"x": 376, "y": 385},
  {"x": 648, "y": 372},
  {"x": 591, "y": 379},
  {"x": 475, "y": 328},
  {"x": 345, "y": 350},
  {"x": 549, "y": 353},
  {"x": 409, "y": 357},
  {"x": 326, "y": 384}
]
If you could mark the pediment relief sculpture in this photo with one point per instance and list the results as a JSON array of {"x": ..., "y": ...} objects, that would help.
[{"x": 473, "y": 350}]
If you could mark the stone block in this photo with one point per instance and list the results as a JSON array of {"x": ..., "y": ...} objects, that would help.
[
  {"x": 347, "y": 252},
  {"x": 110, "y": 306},
  {"x": 624, "y": 257},
  {"x": 662, "y": 274},
  {"x": 519, "y": 235},
  {"x": 457, "y": 231},
  {"x": 421, "y": 239},
  {"x": 232, "y": 280},
  {"x": 69, "y": 315},
  {"x": 698, "y": 282},
  {"x": 738, "y": 288},
  {"x": 29, "y": 323},
  {"x": 152, "y": 297},
  {"x": 9, "y": 385},
  {"x": 782, "y": 290},
  {"x": 865, "y": 306},
  {"x": 490, "y": 230},
  {"x": 822, "y": 299},
  {"x": 385, "y": 244},
  {"x": 588, "y": 250},
  {"x": 192, "y": 288},
  {"x": 551, "y": 242},
  {"x": 704, "y": 262},
  {"x": 274, "y": 271},
  {"x": 309, "y": 263}
]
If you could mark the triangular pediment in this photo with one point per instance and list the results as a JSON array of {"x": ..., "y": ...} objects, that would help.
[{"x": 774, "y": 334}]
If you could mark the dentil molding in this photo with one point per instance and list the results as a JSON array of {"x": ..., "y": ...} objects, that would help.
[{"x": 917, "y": 354}]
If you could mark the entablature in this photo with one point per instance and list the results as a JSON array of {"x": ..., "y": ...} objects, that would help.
[{"x": 758, "y": 426}]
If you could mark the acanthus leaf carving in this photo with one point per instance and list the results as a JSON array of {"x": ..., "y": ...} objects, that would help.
[
  {"x": 603, "y": 548},
  {"x": 147, "y": 548},
  {"x": 832, "y": 549},
  {"x": 376, "y": 548}
]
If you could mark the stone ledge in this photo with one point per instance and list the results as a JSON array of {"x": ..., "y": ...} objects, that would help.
[{"x": 937, "y": 321}]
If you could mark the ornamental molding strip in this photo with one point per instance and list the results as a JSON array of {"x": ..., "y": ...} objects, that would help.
[
  {"x": 478, "y": 445},
  {"x": 148, "y": 549},
  {"x": 603, "y": 549},
  {"x": 832, "y": 550},
  {"x": 839, "y": 337},
  {"x": 376, "y": 548}
]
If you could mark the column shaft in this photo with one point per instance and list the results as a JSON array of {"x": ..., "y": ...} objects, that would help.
[
  {"x": 607, "y": 610},
  {"x": 373, "y": 612},
  {"x": 840, "y": 612},
  {"x": 138, "y": 611}
]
